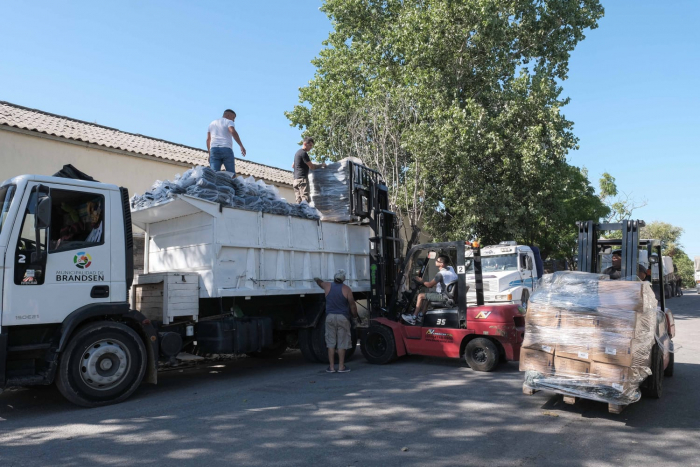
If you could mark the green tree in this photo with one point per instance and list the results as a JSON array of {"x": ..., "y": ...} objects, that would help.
[
  {"x": 621, "y": 205},
  {"x": 670, "y": 235},
  {"x": 458, "y": 104}
]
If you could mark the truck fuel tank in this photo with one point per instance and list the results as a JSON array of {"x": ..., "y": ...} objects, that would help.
[{"x": 230, "y": 335}]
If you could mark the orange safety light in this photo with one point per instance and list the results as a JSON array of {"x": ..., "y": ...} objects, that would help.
[{"x": 475, "y": 244}]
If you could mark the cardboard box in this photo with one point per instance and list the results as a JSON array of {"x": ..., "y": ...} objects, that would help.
[
  {"x": 615, "y": 349},
  {"x": 620, "y": 295},
  {"x": 535, "y": 341},
  {"x": 571, "y": 368},
  {"x": 621, "y": 322},
  {"x": 542, "y": 316},
  {"x": 615, "y": 376},
  {"x": 579, "y": 351},
  {"x": 575, "y": 320},
  {"x": 534, "y": 360}
]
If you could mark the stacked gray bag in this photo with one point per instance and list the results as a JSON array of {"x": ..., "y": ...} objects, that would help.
[{"x": 330, "y": 191}]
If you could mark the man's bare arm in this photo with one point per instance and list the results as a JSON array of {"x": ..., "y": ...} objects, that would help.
[
  {"x": 313, "y": 166},
  {"x": 324, "y": 285},
  {"x": 208, "y": 141},
  {"x": 234, "y": 133},
  {"x": 347, "y": 291},
  {"x": 430, "y": 284}
]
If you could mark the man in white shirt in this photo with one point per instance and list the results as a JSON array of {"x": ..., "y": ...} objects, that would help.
[
  {"x": 94, "y": 210},
  {"x": 220, "y": 138},
  {"x": 445, "y": 276}
]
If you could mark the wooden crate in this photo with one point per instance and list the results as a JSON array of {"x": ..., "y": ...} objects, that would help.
[{"x": 166, "y": 296}]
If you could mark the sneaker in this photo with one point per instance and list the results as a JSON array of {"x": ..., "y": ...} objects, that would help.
[
  {"x": 410, "y": 319},
  {"x": 420, "y": 315},
  {"x": 344, "y": 370},
  {"x": 328, "y": 370}
]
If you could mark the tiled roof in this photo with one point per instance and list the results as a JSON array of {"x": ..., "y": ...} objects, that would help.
[{"x": 77, "y": 130}]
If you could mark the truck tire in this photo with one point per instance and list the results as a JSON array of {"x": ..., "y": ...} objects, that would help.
[
  {"x": 378, "y": 345},
  {"x": 319, "y": 342},
  {"x": 481, "y": 354},
  {"x": 306, "y": 346},
  {"x": 653, "y": 385},
  {"x": 103, "y": 364},
  {"x": 668, "y": 372}
]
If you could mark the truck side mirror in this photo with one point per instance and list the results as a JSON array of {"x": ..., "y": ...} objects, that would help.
[
  {"x": 529, "y": 263},
  {"x": 42, "y": 219}
]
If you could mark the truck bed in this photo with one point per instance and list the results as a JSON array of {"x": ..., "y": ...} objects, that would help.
[{"x": 240, "y": 253}]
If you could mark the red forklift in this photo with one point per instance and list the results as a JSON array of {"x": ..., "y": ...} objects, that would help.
[{"x": 483, "y": 335}]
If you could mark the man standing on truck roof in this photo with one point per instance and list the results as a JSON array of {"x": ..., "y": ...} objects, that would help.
[
  {"x": 615, "y": 272},
  {"x": 302, "y": 164},
  {"x": 340, "y": 303},
  {"x": 220, "y": 144},
  {"x": 445, "y": 276}
]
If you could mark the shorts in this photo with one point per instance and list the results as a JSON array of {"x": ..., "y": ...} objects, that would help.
[
  {"x": 435, "y": 297},
  {"x": 338, "y": 331},
  {"x": 301, "y": 190},
  {"x": 222, "y": 156}
]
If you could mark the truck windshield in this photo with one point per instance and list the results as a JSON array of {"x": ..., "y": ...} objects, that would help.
[
  {"x": 6, "y": 194},
  {"x": 507, "y": 262}
]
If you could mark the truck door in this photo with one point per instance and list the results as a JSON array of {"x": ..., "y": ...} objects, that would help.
[{"x": 58, "y": 269}]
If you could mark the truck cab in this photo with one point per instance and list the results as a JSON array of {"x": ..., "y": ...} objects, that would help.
[{"x": 509, "y": 273}]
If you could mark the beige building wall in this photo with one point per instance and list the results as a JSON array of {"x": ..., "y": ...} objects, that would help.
[{"x": 25, "y": 152}]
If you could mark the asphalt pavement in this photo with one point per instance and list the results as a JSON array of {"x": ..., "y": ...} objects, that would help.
[{"x": 416, "y": 411}]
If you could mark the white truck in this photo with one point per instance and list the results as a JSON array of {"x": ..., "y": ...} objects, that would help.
[
  {"x": 217, "y": 280},
  {"x": 509, "y": 273},
  {"x": 697, "y": 273}
]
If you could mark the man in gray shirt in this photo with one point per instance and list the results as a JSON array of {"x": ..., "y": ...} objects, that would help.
[
  {"x": 302, "y": 164},
  {"x": 340, "y": 303}
]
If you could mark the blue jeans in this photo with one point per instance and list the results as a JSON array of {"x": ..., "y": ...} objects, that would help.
[{"x": 218, "y": 156}]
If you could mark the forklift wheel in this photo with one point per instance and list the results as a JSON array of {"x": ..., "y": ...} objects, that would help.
[
  {"x": 481, "y": 354},
  {"x": 668, "y": 372},
  {"x": 378, "y": 345},
  {"x": 653, "y": 385}
]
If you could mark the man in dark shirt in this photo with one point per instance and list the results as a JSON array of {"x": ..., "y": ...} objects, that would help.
[
  {"x": 615, "y": 272},
  {"x": 302, "y": 164}
]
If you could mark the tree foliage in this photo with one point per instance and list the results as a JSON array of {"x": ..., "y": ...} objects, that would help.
[
  {"x": 621, "y": 205},
  {"x": 670, "y": 235},
  {"x": 458, "y": 104}
]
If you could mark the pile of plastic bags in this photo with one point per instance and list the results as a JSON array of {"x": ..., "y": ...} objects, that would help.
[{"x": 221, "y": 187}]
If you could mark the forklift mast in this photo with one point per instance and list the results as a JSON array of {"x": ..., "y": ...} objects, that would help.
[
  {"x": 369, "y": 200},
  {"x": 590, "y": 245}
]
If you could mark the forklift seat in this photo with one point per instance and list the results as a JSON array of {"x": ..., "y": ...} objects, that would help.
[{"x": 450, "y": 294}]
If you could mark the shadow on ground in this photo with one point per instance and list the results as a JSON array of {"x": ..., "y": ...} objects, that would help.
[{"x": 288, "y": 412}]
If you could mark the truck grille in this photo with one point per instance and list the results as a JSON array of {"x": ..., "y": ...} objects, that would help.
[{"x": 488, "y": 285}]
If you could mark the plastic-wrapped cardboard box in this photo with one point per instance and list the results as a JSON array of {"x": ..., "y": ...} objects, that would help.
[
  {"x": 569, "y": 368},
  {"x": 535, "y": 360}
]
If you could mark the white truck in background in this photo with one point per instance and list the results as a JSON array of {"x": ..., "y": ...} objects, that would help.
[
  {"x": 697, "y": 273},
  {"x": 509, "y": 273}
]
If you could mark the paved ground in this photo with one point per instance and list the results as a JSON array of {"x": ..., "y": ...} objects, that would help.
[{"x": 288, "y": 412}]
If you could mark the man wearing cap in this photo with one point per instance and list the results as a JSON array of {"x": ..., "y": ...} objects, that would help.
[
  {"x": 340, "y": 304},
  {"x": 615, "y": 271},
  {"x": 220, "y": 136}
]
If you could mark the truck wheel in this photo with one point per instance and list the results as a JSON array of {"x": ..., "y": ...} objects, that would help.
[
  {"x": 668, "y": 372},
  {"x": 319, "y": 342},
  {"x": 306, "y": 346},
  {"x": 481, "y": 354},
  {"x": 103, "y": 364},
  {"x": 653, "y": 385},
  {"x": 378, "y": 345},
  {"x": 271, "y": 352}
]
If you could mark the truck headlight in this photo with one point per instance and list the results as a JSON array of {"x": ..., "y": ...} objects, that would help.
[{"x": 504, "y": 297}]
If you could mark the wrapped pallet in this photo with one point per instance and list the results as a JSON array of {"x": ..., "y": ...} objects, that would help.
[
  {"x": 598, "y": 332},
  {"x": 330, "y": 190}
]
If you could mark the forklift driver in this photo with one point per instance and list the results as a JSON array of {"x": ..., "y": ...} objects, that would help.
[
  {"x": 446, "y": 275},
  {"x": 614, "y": 271}
]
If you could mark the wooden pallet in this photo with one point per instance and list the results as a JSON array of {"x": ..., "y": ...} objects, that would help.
[{"x": 571, "y": 400}]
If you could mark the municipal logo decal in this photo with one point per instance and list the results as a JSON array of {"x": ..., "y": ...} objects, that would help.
[
  {"x": 82, "y": 260},
  {"x": 482, "y": 315}
]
